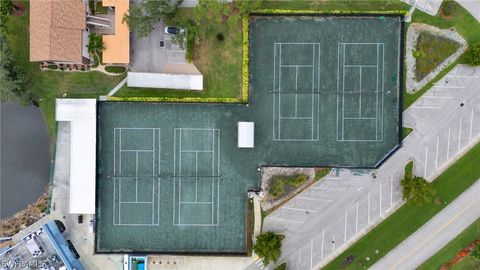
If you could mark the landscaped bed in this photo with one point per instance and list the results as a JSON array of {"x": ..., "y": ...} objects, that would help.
[{"x": 115, "y": 69}]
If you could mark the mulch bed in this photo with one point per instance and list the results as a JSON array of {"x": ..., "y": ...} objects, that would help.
[
  {"x": 18, "y": 8},
  {"x": 460, "y": 255}
]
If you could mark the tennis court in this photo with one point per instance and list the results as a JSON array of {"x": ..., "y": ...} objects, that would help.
[{"x": 324, "y": 91}]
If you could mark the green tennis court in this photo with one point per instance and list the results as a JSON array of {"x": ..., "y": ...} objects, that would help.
[{"x": 324, "y": 91}]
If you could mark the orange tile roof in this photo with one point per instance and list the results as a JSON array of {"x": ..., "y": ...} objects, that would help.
[
  {"x": 117, "y": 46},
  {"x": 56, "y": 30}
]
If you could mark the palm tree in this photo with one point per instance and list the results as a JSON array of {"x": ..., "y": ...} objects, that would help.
[{"x": 95, "y": 44}]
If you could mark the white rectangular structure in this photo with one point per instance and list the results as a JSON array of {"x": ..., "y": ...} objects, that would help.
[
  {"x": 165, "y": 80},
  {"x": 246, "y": 132},
  {"x": 82, "y": 115}
]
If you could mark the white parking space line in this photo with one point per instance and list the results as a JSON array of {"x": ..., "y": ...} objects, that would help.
[
  {"x": 333, "y": 243},
  {"x": 391, "y": 190},
  {"x": 437, "y": 97},
  {"x": 311, "y": 253},
  {"x": 448, "y": 145},
  {"x": 323, "y": 238},
  {"x": 299, "y": 209},
  {"x": 356, "y": 220},
  {"x": 324, "y": 188},
  {"x": 380, "y": 199},
  {"x": 425, "y": 107},
  {"x": 436, "y": 154},
  {"x": 471, "y": 125},
  {"x": 426, "y": 162},
  {"x": 345, "y": 230},
  {"x": 312, "y": 199},
  {"x": 287, "y": 220},
  {"x": 368, "y": 208},
  {"x": 460, "y": 134}
]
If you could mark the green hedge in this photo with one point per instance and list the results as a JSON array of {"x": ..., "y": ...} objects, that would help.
[
  {"x": 177, "y": 99},
  {"x": 115, "y": 69},
  {"x": 245, "y": 60},
  {"x": 315, "y": 12}
]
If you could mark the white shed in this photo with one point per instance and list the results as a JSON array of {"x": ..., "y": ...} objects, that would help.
[{"x": 246, "y": 132}]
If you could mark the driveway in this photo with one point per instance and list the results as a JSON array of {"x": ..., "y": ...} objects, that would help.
[
  {"x": 435, "y": 234},
  {"x": 331, "y": 215}
]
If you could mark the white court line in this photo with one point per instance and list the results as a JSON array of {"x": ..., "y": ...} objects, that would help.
[
  {"x": 136, "y": 150},
  {"x": 436, "y": 154},
  {"x": 299, "y": 209},
  {"x": 426, "y": 162},
  {"x": 360, "y": 96},
  {"x": 287, "y": 220},
  {"x": 296, "y": 89},
  {"x": 338, "y": 84},
  {"x": 136, "y": 176},
  {"x": 295, "y": 117},
  {"x": 196, "y": 151},
  {"x": 120, "y": 159},
  {"x": 460, "y": 134},
  {"x": 296, "y": 66},
  {"x": 361, "y": 66},
  {"x": 360, "y": 118}
]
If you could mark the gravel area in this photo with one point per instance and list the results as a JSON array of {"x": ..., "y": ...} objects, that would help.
[
  {"x": 413, "y": 31},
  {"x": 267, "y": 202}
]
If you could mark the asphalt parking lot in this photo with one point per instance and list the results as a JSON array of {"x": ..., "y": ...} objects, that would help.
[{"x": 326, "y": 218}]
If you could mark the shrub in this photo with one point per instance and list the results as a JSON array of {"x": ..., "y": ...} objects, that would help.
[
  {"x": 320, "y": 173},
  {"x": 245, "y": 60},
  {"x": 269, "y": 247},
  {"x": 220, "y": 37},
  {"x": 476, "y": 252},
  {"x": 417, "y": 189},
  {"x": 472, "y": 57},
  {"x": 296, "y": 180},
  {"x": 115, "y": 69},
  {"x": 54, "y": 67},
  {"x": 419, "y": 54},
  {"x": 449, "y": 8},
  {"x": 276, "y": 187}
]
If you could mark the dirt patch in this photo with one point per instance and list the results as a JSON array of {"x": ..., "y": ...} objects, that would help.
[
  {"x": 438, "y": 201},
  {"x": 18, "y": 9},
  {"x": 33, "y": 213}
]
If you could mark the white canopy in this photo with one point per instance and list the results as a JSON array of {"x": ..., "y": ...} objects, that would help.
[
  {"x": 165, "y": 80},
  {"x": 246, "y": 132},
  {"x": 81, "y": 113}
]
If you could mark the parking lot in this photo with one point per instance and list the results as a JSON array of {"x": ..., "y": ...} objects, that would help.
[
  {"x": 148, "y": 55},
  {"x": 326, "y": 218}
]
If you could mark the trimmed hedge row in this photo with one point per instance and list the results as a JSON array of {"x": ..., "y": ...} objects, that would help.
[
  {"x": 314, "y": 12},
  {"x": 245, "y": 60},
  {"x": 176, "y": 99}
]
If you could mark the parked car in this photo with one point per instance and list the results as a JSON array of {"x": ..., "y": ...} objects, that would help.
[{"x": 173, "y": 30}]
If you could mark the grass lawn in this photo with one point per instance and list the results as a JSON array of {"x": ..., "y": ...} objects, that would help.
[
  {"x": 433, "y": 51},
  {"x": 449, "y": 252},
  {"x": 408, "y": 218},
  {"x": 220, "y": 63},
  {"x": 463, "y": 22},
  {"x": 406, "y": 131},
  {"x": 115, "y": 69},
  {"x": 48, "y": 85}
]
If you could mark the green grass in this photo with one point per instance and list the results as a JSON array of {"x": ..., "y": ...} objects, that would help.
[
  {"x": 409, "y": 169},
  {"x": 434, "y": 50},
  {"x": 320, "y": 173},
  {"x": 408, "y": 218},
  {"x": 282, "y": 266},
  {"x": 449, "y": 252},
  {"x": 115, "y": 69},
  {"x": 406, "y": 131},
  {"x": 48, "y": 85},
  {"x": 100, "y": 9}
]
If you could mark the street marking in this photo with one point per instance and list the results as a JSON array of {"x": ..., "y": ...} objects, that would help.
[
  {"x": 368, "y": 208},
  {"x": 356, "y": 220},
  {"x": 288, "y": 220},
  {"x": 333, "y": 243},
  {"x": 426, "y": 162},
  {"x": 323, "y": 237},
  {"x": 448, "y": 145},
  {"x": 323, "y": 188},
  {"x": 471, "y": 125},
  {"x": 312, "y": 199},
  {"x": 460, "y": 134},
  {"x": 436, "y": 154},
  {"x": 311, "y": 253},
  {"x": 426, "y": 107},
  {"x": 345, "y": 230},
  {"x": 380, "y": 208},
  {"x": 299, "y": 209},
  {"x": 391, "y": 190}
]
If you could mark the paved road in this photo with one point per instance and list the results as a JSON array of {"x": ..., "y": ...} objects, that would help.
[
  {"x": 473, "y": 6},
  {"x": 325, "y": 219},
  {"x": 435, "y": 234}
]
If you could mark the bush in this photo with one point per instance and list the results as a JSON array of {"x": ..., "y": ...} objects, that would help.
[
  {"x": 279, "y": 182},
  {"x": 320, "y": 173},
  {"x": 449, "y": 8},
  {"x": 177, "y": 99},
  {"x": 472, "y": 56},
  {"x": 417, "y": 189},
  {"x": 269, "y": 247},
  {"x": 54, "y": 67},
  {"x": 296, "y": 180},
  {"x": 276, "y": 187},
  {"x": 419, "y": 54},
  {"x": 220, "y": 37},
  {"x": 245, "y": 59},
  {"x": 115, "y": 69}
]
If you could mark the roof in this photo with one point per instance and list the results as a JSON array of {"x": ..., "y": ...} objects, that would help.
[
  {"x": 56, "y": 30},
  {"x": 246, "y": 132},
  {"x": 164, "y": 80},
  {"x": 117, "y": 46},
  {"x": 81, "y": 113}
]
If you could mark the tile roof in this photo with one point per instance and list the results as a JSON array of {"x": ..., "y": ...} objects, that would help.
[{"x": 56, "y": 30}]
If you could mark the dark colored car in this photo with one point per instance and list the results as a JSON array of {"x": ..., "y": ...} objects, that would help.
[
  {"x": 80, "y": 219},
  {"x": 173, "y": 30}
]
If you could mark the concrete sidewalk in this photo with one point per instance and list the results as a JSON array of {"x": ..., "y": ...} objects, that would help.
[
  {"x": 473, "y": 6},
  {"x": 436, "y": 233}
]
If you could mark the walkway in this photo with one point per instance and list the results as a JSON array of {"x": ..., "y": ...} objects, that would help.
[
  {"x": 473, "y": 6},
  {"x": 325, "y": 219},
  {"x": 435, "y": 234},
  {"x": 116, "y": 88}
]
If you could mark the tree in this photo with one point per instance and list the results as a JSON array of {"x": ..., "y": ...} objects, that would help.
[
  {"x": 6, "y": 7},
  {"x": 269, "y": 247},
  {"x": 472, "y": 57},
  {"x": 144, "y": 14},
  {"x": 95, "y": 43},
  {"x": 417, "y": 189},
  {"x": 12, "y": 76}
]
